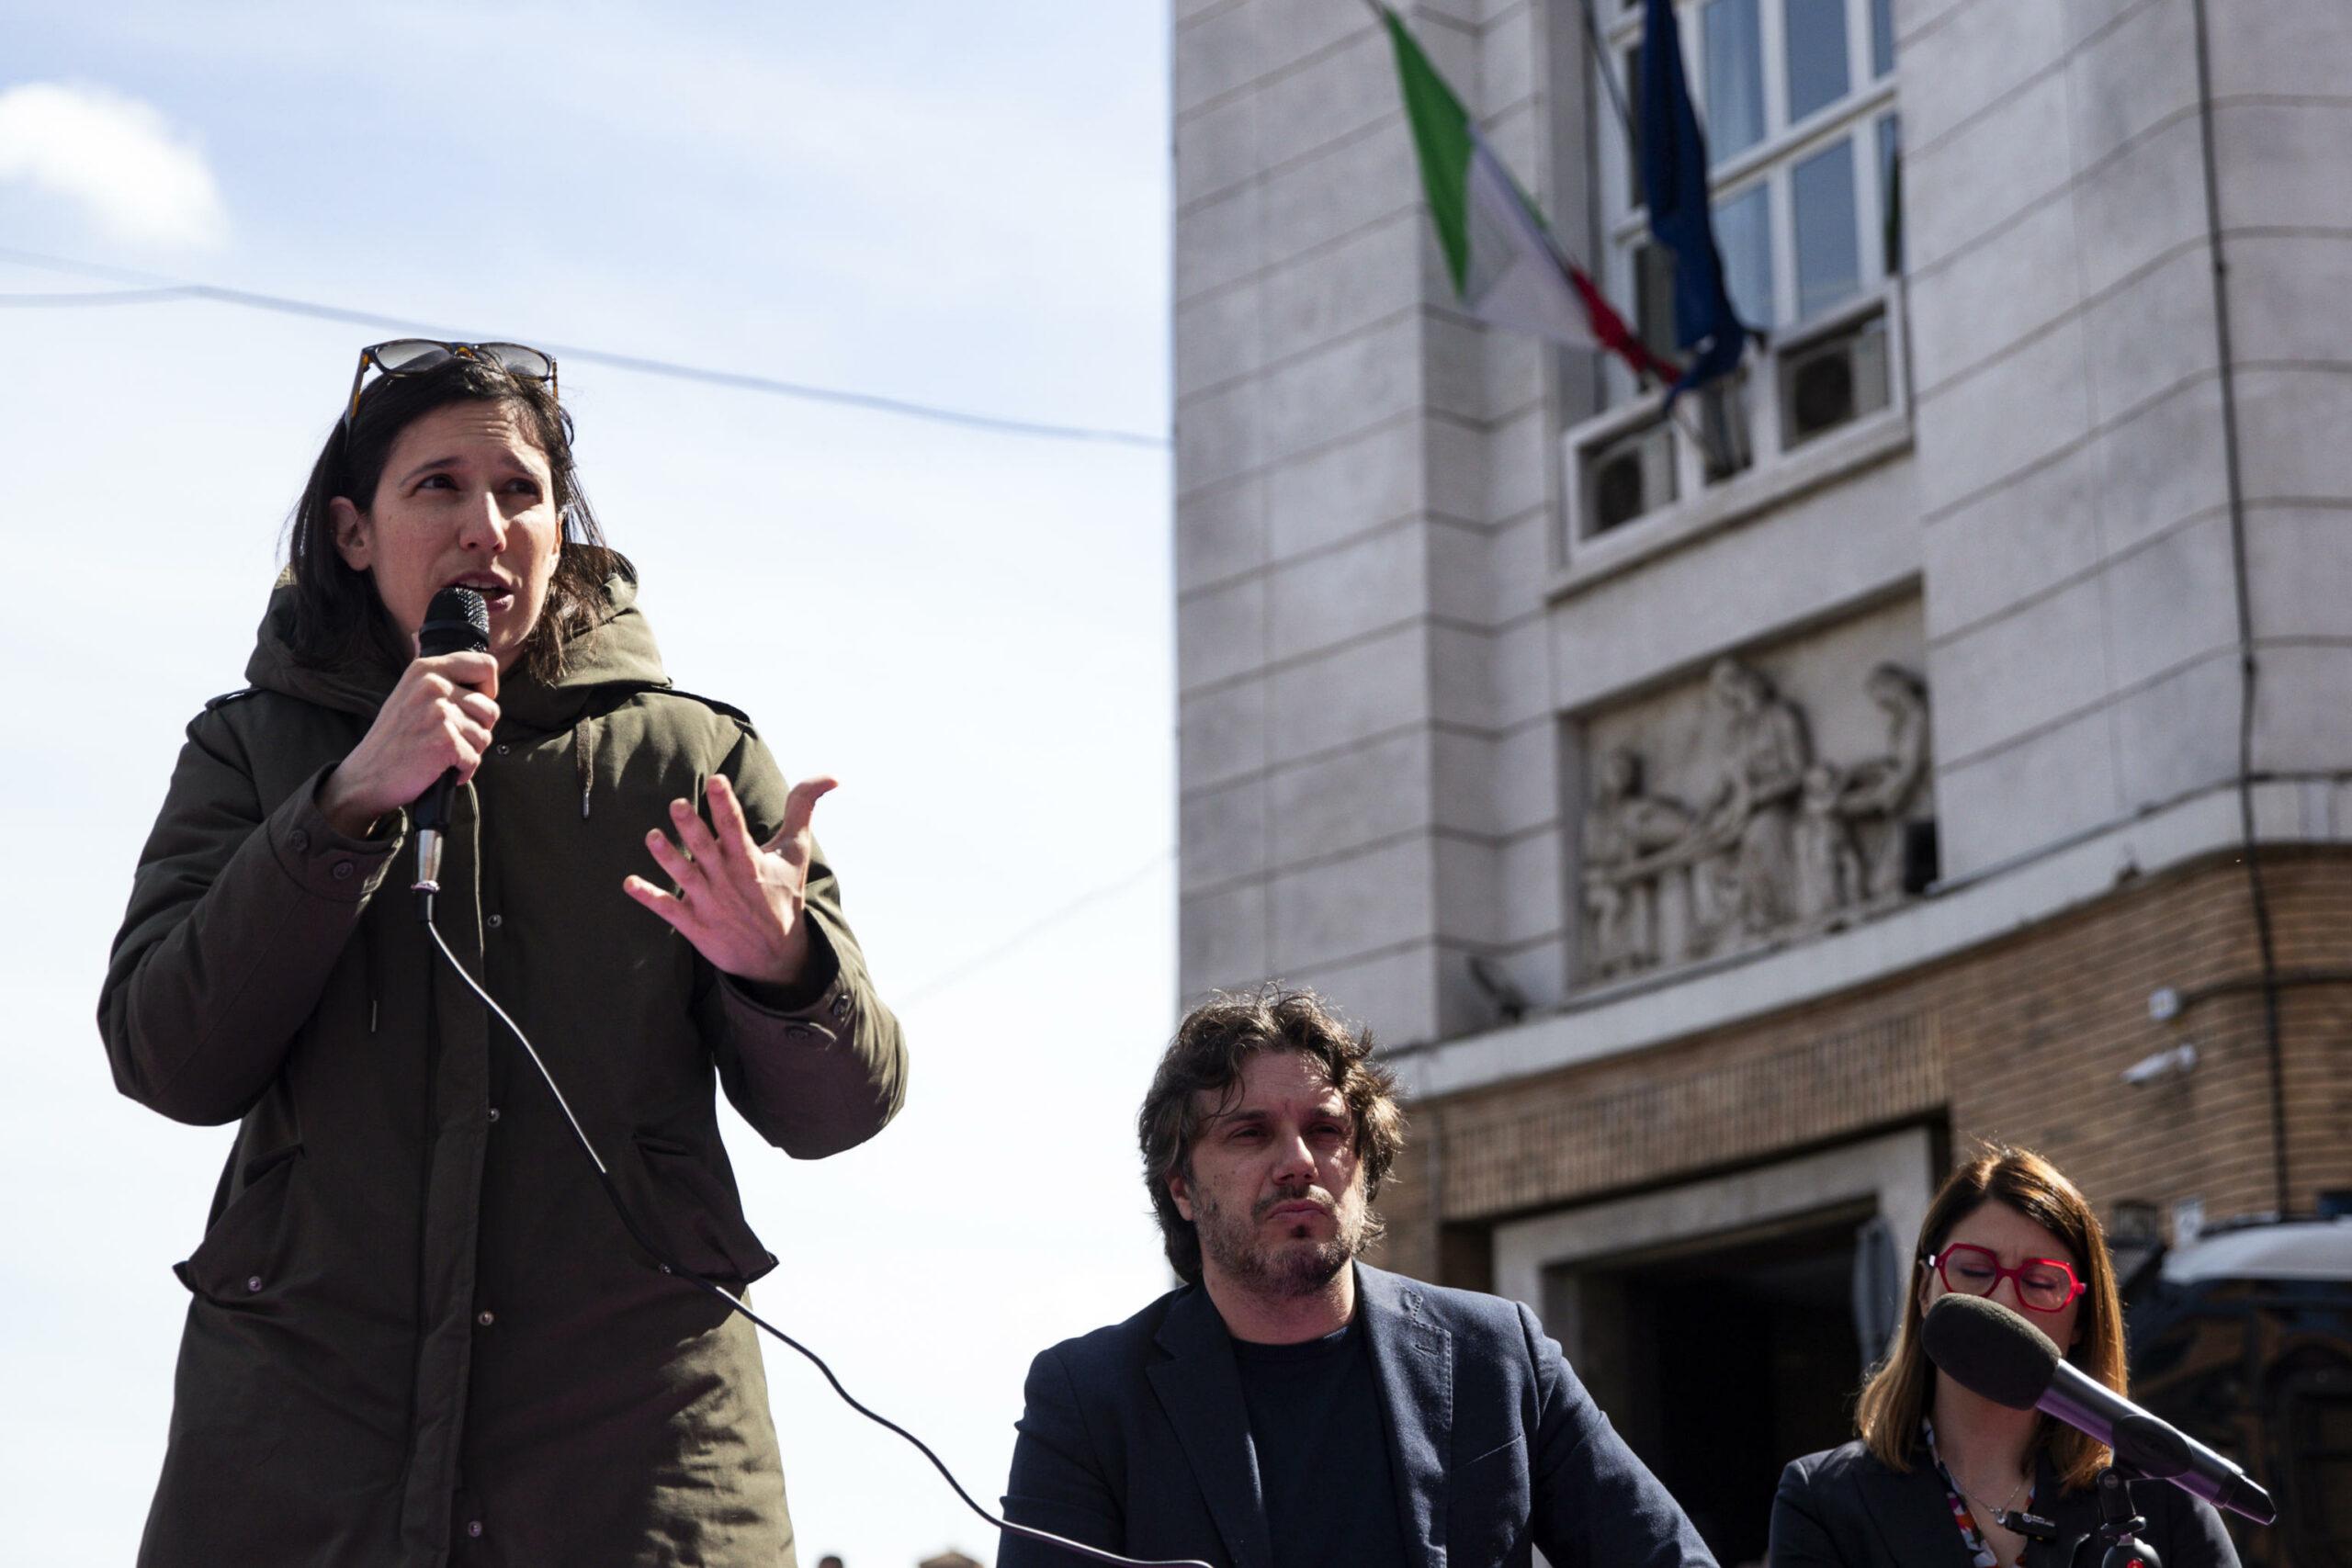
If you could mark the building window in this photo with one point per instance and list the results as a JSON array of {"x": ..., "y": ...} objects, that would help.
[
  {"x": 1829, "y": 260},
  {"x": 1797, "y": 97},
  {"x": 1744, "y": 237},
  {"x": 1804, "y": 148},
  {"x": 1890, "y": 187},
  {"x": 1735, "y": 76}
]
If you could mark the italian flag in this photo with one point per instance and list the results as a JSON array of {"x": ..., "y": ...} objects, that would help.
[{"x": 1508, "y": 270}]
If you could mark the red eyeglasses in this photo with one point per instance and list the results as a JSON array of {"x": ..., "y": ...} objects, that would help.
[{"x": 2044, "y": 1284}]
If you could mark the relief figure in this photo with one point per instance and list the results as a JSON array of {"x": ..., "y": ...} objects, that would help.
[
  {"x": 1828, "y": 868},
  {"x": 1882, "y": 793},
  {"x": 1628, "y": 838},
  {"x": 1749, "y": 819}
]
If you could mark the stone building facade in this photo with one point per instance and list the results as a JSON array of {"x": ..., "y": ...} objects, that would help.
[{"x": 1727, "y": 819}]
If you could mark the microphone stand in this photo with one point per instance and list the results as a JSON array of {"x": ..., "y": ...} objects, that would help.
[{"x": 2120, "y": 1524}]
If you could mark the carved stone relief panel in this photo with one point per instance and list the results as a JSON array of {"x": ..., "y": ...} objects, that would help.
[{"x": 1782, "y": 791}]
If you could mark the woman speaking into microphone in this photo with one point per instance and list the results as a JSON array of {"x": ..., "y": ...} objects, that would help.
[
  {"x": 1944, "y": 1478},
  {"x": 419, "y": 1332}
]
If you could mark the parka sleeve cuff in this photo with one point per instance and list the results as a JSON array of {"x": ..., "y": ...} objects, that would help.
[
  {"x": 820, "y": 1077},
  {"x": 811, "y": 995},
  {"x": 326, "y": 863}
]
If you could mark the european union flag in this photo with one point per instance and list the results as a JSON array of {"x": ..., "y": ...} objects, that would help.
[{"x": 1674, "y": 183}]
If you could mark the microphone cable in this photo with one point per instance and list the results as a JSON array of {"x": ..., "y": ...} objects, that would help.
[{"x": 678, "y": 1270}]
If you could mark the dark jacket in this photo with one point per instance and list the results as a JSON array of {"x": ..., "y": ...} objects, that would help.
[
  {"x": 1844, "y": 1508},
  {"x": 1136, "y": 1438},
  {"x": 417, "y": 1329}
]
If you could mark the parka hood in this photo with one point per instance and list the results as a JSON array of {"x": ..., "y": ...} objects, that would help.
[{"x": 614, "y": 649}]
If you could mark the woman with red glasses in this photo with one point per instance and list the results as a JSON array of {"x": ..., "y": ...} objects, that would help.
[{"x": 1943, "y": 1478}]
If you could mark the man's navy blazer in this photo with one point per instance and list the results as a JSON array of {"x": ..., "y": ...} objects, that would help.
[{"x": 1136, "y": 1438}]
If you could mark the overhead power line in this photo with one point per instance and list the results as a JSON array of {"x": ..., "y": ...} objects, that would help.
[
  {"x": 1034, "y": 929},
  {"x": 153, "y": 290}
]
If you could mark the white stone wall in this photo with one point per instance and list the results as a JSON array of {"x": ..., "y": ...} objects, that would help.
[
  {"x": 1363, "y": 498},
  {"x": 1382, "y": 636},
  {"x": 2074, "y": 481}
]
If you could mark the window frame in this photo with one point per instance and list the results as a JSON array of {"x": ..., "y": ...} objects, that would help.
[
  {"x": 1625, "y": 223},
  {"x": 1775, "y": 470}
]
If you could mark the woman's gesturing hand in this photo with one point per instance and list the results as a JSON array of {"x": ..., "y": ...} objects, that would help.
[
  {"x": 738, "y": 901},
  {"x": 439, "y": 717}
]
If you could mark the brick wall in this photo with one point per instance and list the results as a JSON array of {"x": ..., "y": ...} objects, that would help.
[{"x": 2020, "y": 1040}]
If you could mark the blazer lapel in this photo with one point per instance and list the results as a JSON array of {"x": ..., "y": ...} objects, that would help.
[
  {"x": 1913, "y": 1516},
  {"x": 1412, "y": 1355},
  {"x": 1200, "y": 1388}
]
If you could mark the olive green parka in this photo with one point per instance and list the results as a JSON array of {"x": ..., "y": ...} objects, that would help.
[{"x": 418, "y": 1334}]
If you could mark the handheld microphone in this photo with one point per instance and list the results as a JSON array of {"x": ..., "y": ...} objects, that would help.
[
  {"x": 457, "y": 621},
  {"x": 1992, "y": 1352}
]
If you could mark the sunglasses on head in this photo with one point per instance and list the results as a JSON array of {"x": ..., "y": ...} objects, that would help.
[{"x": 411, "y": 355}]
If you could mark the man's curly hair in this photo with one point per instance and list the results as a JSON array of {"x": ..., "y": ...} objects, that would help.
[{"x": 1208, "y": 1052}]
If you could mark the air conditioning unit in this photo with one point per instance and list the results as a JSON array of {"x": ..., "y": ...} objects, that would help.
[
  {"x": 1834, "y": 380},
  {"x": 1628, "y": 476}
]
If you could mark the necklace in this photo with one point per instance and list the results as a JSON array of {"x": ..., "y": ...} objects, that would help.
[{"x": 2000, "y": 1515}]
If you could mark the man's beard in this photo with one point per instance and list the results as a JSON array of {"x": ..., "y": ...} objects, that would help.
[{"x": 1287, "y": 1267}]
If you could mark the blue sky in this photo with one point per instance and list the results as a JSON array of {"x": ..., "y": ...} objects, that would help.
[{"x": 972, "y": 630}]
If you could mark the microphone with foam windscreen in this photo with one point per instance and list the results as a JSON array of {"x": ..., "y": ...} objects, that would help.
[
  {"x": 1994, "y": 1353},
  {"x": 457, "y": 621}
]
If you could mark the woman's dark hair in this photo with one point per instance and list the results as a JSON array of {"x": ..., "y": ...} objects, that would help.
[
  {"x": 1207, "y": 1054},
  {"x": 338, "y": 618},
  {"x": 1902, "y": 1391}
]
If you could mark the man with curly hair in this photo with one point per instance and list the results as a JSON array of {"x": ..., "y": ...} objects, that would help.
[{"x": 1289, "y": 1405}]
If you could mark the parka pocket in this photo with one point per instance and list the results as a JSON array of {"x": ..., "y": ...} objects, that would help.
[
  {"x": 695, "y": 1210},
  {"x": 236, "y": 1261}
]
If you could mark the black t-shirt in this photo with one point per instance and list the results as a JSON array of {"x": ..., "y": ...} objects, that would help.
[{"x": 1322, "y": 1442}]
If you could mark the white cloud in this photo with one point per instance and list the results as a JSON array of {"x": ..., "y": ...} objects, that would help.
[{"x": 113, "y": 155}]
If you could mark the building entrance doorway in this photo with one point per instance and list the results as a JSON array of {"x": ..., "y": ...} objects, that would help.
[
  {"x": 1715, "y": 1321},
  {"x": 1722, "y": 1361}
]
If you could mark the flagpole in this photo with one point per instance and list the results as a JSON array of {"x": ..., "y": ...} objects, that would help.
[{"x": 1601, "y": 60}]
